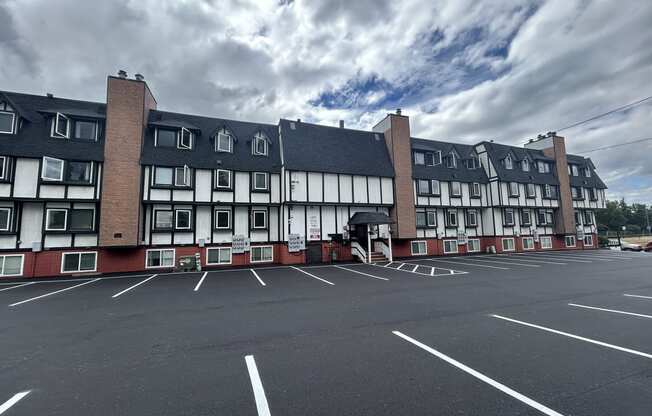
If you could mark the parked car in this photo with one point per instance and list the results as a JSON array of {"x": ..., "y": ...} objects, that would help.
[
  {"x": 630, "y": 247},
  {"x": 648, "y": 247}
]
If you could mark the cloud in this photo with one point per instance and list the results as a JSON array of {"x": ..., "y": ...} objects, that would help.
[{"x": 463, "y": 69}]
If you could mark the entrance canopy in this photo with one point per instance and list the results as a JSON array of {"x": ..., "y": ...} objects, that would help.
[{"x": 361, "y": 218}]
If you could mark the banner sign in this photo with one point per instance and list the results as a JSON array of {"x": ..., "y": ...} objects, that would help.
[
  {"x": 240, "y": 244},
  {"x": 296, "y": 242}
]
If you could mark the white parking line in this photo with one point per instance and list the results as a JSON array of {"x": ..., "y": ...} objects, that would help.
[
  {"x": 53, "y": 293},
  {"x": 200, "y": 281},
  {"x": 637, "y": 296},
  {"x": 399, "y": 267},
  {"x": 257, "y": 386},
  {"x": 566, "y": 334},
  {"x": 493, "y": 383},
  {"x": 134, "y": 286},
  {"x": 469, "y": 264},
  {"x": 550, "y": 256},
  {"x": 610, "y": 310},
  {"x": 257, "y": 277},
  {"x": 364, "y": 274},
  {"x": 509, "y": 257},
  {"x": 16, "y": 287},
  {"x": 313, "y": 276},
  {"x": 15, "y": 399},
  {"x": 505, "y": 262},
  {"x": 415, "y": 268}
]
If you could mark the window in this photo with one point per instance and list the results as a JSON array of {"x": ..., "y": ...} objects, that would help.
[
  {"x": 451, "y": 218},
  {"x": 56, "y": 219},
  {"x": 5, "y": 219},
  {"x": 576, "y": 192},
  {"x": 163, "y": 219},
  {"x": 222, "y": 219},
  {"x": 52, "y": 169},
  {"x": 260, "y": 181},
  {"x": 218, "y": 255},
  {"x": 546, "y": 242},
  {"x": 456, "y": 189},
  {"x": 544, "y": 217},
  {"x": 163, "y": 176},
  {"x": 7, "y": 120},
  {"x": 433, "y": 159},
  {"x": 11, "y": 265},
  {"x": 570, "y": 241},
  {"x": 572, "y": 169},
  {"x": 578, "y": 217},
  {"x": 421, "y": 219},
  {"x": 550, "y": 191},
  {"x": 419, "y": 158},
  {"x": 82, "y": 220},
  {"x": 509, "y": 164},
  {"x": 79, "y": 262},
  {"x": 513, "y": 189},
  {"x": 509, "y": 217},
  {"x": 471, "y": 218},
  {"x": 587, "y": 172},
  {"x": 165, "y": 138},
  {"x": 260, "y": 145},
  {"x": 261, "y": 254},
  {"x": 185, "y": 139},
  {"x": 475, "y": 190},
  {"x": 544, "y": 167},
  {"x": 418, "y": 248},
  {"x": 159, "y": 258},
  {"x": 508, "y": 244},
  {"x": 473, "y": 245},
  {"x": 588, "y": 217},
  {"x": 86, "y": 130},
  {"x": 526, "y": 217},
  {"x": 434, "y": 187},
  {"x": 472, "y": 163},
  {"x": 223, "y": 179},
  {"x": 79, "y": 172},
  {"x": 588, "y": 240},
  {"x": 3, "y": 167},
  {"x": 451, "y": 161},
  {"x": 182, "y": 176},
  {"x": 531, "y": 190},
  {"x": 592, "y": 194},
  {"x": 528, "y": 243},
  {"x": 182, "y": 219},
  {"x": 450, "y": 246},
  {"x": 422, "y": 187},
  {"x": 60, "y": 127},
  {"x": 525, "y": 165},
  {"x": 431, "y": 218},
  {"x": 259, "y": 219},
  {"x": 224, "y": 142}
]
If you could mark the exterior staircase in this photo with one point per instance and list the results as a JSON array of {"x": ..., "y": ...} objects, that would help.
[{"x": 377, "y": 256}]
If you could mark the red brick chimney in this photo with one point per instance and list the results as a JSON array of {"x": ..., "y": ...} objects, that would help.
[
  {"x": 396, "y": 129},
  {"x": 128, "y": 102}
]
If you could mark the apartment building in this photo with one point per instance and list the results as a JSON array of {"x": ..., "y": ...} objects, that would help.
[{"x": 120, "y": 186}]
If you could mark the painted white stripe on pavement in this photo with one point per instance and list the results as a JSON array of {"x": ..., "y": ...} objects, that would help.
[
  {"x": 493, "y": 383},
  {"x": 200, "y": 281},
  {"x": 470, "y": 264},
  {"x": 610, "y": 310},
  {"x": 313, "y": 276},
  {"x": 257, "y": 386},
  {"x": 505, "y": 262},
  {"x": 566, "y": 334},
  {"x": 53, "y": 293},
  {"x": 15, "y": 399},
  {"x": 15, "y": 287},
  {"x": 637, "y": 296},
  {"x": 550, "y": 256},
  {"x": 134, "y": 286},
  {"x": 257, "y": 277},
  {"x": 509, "y": 257},
  {"x": 364, "y": 274}
]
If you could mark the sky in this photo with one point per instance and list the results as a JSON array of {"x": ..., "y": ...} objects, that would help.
[{"x": 462, "y": 70}]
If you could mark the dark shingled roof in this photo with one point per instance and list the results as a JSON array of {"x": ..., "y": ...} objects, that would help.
[
  {"x": 203, "y": 154},
  {"x": 33, "y": 139},
  {"x": 498, "y": 152},
  {"x": 593, "y": 182},
  {"x": 370, "y": 218},
  {"x": 311, "y": 147},
  {"x": 441, "y": 172}
]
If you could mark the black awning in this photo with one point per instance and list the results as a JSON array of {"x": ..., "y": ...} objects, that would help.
[{"x": 370, "y": 218}]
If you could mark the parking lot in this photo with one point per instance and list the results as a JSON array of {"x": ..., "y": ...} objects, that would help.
[{"x": 555, "y": 333}]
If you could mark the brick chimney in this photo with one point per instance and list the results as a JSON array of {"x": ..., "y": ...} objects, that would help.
[
  {"x": 396, "y": 129},
  {"x": 554, "y": 147},
  {"x": 128, "y": 102}
]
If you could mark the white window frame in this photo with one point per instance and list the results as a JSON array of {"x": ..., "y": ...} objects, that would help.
[
  {"x": 590, "y": 237},
  {"x": 254, "y": 149},
  {"x": 454, "y": 243},
  {"x": 428, "y": 216},
  {"x": 3, "y": 258},
  {"x": 527, "y": 190},
  {"x": 453, "y": 161},
  {"x": 161, "y": 250},
  {"x": 419, "y": 243},
  {"x": 97, "y": 128},
  {"x": 502, "y": 244},
  {"x": 47, "y": 219},
  {"x": 217, "y": 179},
  {"x": 505, "y": 222},
  {"x": 525, "y": 165},
  {"x": 185, "y": 176},
  {"x": 531, "y": 240},
  {"x": 219, "y": 251},
  {"x": 63, "y": 258},
  {"x": 448, "y": 222},
  {"x": 419, "y": 158},
  {"x": 529, "y": 216},
  {"x": 180, "y": 144},
  {"x": 251, "y": 254},
  {"x": 9, "y": 213},
  {"x": 54, "y": 132},
  {"x": 473, "y": 223},
  {"x": 548, "y": 240},
  {"x": 509, "y": 163},
  {"x": 13, "y": 122},
  {"x": 253, "y": 219},
  {"x": 46, "y": 159},
  {"x": 514, "y": 193},
  {"x": 566, "y": 241},
  {"x": 476, "y": 190},
  {"x": 176, "y": 219},
  {"x": 459, "y": 185},
  {"x": 172, "y": 222},
  {"x": 4, "y": 167},
  {"x": 432, "y": 187},
  {"x": 472, "y": 242},
  {"x": 228, "y": 212},
  {"x": 421, "y": 191},
  {"x": 266, "y": 175},
  {"x": 229, "y": 139},
  {"x": 437, "y": 157},
  {"x": 589, "y": 218}
]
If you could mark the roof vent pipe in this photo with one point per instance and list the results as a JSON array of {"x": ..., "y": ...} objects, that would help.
[
  {"x": 341, "y": 124},
  {"x": 398, "y": 111},
  {"x": 139, "y": 77},
  {"x": 122, "y": 73}
]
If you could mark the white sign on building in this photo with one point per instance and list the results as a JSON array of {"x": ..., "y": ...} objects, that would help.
[
  {"x": 240, "y": 244},
  {"x": 296, "y": 242}
]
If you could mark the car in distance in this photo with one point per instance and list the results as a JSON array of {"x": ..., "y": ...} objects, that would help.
[{"x": 630, "y": 247}]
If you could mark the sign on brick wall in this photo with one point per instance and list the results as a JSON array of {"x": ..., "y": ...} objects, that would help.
[
  {"x": 296, "y": 242},
  {"x": 240, "y": 244}
]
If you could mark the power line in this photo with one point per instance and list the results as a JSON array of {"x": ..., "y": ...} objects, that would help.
[
  {"x": 615, "y": 110},
  {"x": 616, "y": 145}
]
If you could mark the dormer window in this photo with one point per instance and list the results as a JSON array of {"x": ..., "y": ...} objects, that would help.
[
  {"x": 180, "y": 139},
  {"x": 259, "y": 145},
  {"x": 60, "y": 127},
  {"x": 472, "y": 163},
  {"x": 509, "y": 164},
  {"x": 433, "y": 159},
  {"x": 586, "y": 172},
  {"x": 419, "y": 158},
  {"x": 86, "y": 130},
  {"x": 224, "y": 142},
  {"x": 573, "y": 170},
  {"x": 525, "y": 165},
  {"x": 544, "y": 167},
  {"x": 185, "y": 139},
  {"x": 7, "y": 118},
  {"x": 451, "y": 161}
]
